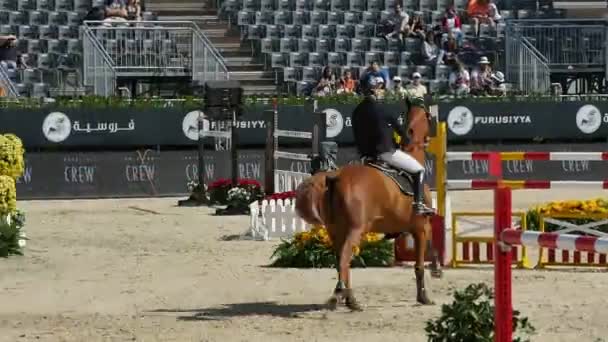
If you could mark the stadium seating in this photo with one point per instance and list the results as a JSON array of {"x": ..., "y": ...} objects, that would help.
[
  {"x": 48, "y": 32},
  {"x": 299, "y": 37}
]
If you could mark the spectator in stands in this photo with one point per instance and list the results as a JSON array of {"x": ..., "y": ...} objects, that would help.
[
  {"x": 399, "y": 21},
  {"x": 449, "y": 49},
  {"x": 481, "y": 77},
  {"x": 498, "y": 87},
  {"x": 416, "y": 88},
  {"x": 479, "y": 13},
  {"x": 459, "y": 80},
  {"x": 9, "y": 56},
  {"x": 378, "y": 83},
  {"x": 116, "y": 11},
  {"x": 374, "y": 71},
  {"x": 398, "y": 88},
  {"x": 417, "y": 26},
  {"x": 494, "y": 14},
  {"x": 133, "y": 10},
  {"x": 326, "y": 84},
  {"x": 347, "y": 83},
  {"x": 451, "y": 24},
  {"x": 430, "y": 50}
]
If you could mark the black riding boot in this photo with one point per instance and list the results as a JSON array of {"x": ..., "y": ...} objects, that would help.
[{"x": 419, "y": 206}]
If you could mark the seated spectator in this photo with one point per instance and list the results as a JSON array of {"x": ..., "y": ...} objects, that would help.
[
  {"x": 374, "y": 71},
  {"x": 459, "y": 80},
  {"x": 399, "y": 21},
  {"x": 494, "y": 14},
  {"x": 481, "y": 77},
  {"x": 134, "y": 10},
  {"x": 498, "y": 87},
  {"x": 430, "y": 50},
  {"x": 347, "y": 84},
  {"x": 479, "y": 13},
  {"x": 451, "y": 24},
  {"x": 417, "y": 26},
  {"x": 380, "y": 86},
  {"x": 398, "y": 88},
  {"x": 116, "y": 11},
  {"x": 9, "y": 56},
  {"x": 326, "y": 84},
  {"x": 416, "y": 88},
  {"x": 449, "y": 49}
]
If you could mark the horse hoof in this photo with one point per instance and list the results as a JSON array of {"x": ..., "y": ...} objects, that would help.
[
  {"x": 436, "y": 273},
  {"x": 332, "y": 303},
  {"x": 353, "y": 305},
  {"x": 424, "y": 300}
]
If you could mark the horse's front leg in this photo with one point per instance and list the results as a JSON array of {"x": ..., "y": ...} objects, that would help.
[{"x": 420, "y": 249}]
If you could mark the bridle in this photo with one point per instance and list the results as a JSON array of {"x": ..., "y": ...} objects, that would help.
[{"x": 422, "y": 145}]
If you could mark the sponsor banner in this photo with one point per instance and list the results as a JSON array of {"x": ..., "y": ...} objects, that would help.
[
  {"x": 525, "y": 120},
  {"x": 145, "y": 172}
]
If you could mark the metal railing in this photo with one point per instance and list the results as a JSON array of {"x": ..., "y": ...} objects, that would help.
[
  {"x": 98, "y": 69},
  {"x": 527, "y": 68},
  {"x": 156, "y": 48},
  {"x": 566, "y": 43},
  {"x": 7, "y": 84}
]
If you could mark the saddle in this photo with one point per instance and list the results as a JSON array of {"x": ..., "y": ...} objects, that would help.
[{"x": 403, "y": 179}]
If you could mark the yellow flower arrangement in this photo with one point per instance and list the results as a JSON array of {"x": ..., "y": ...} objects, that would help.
[
  {"x": 8, "y": 195},
  {"x": 11, "y": 156},
  {"x": 577, "y": 208},
  {"x": 314, "y": 248}
]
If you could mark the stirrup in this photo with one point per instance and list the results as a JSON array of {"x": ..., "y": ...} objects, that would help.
[{"x": 422, "y": 209}]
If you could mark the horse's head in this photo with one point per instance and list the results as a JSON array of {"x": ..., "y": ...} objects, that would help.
[{"x": 418, "y": 128}]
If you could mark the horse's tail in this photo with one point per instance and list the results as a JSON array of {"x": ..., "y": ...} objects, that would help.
[{"x": 330, "y": 195}]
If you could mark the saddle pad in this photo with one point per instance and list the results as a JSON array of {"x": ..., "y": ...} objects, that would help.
[{"x": 404, "y": 180}]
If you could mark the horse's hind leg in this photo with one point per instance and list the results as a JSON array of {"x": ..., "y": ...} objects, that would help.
[
  {"x": 345, "y": 254},
  {"x": 420, "y": 242}
]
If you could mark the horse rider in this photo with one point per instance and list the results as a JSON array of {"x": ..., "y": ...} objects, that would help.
[{"x": 373, "y": 129}]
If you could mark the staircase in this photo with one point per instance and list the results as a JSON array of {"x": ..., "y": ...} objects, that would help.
[{"x": 240, "y": 60}]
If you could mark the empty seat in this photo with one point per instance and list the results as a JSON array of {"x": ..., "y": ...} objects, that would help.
[
  {"x": 287, "y": 45},
  {"x": 390, "y": 4},
  {"x": 73, "y": 19},
  {"x": 264, "y": 18},
  {"x": 254, "y": 32},
  {"x": 267, "y": 5},
  {"x": 297, "y": 59},
  {"x": 305, "y": 45},
  {"x": 26, "y": 5},
  {"x": 391, "y": 58},
  {"x": 46, "y": 61},
  {"x": 326, "y": 32},
  {"x": 310, "y": 31},
  {"x": 357, "y": 5},
  {"x": 267, "y": 45},
  {"x": 394, "y": 44},
  {"x": 245, "y": 18},
  {"x": 300, "y": 18},
  {"x": 318, "y": 18},
  {"x": 56, "y": 46},
  {"x": 67, "y": 32},
  {"x": 338, "y": 5},
  {"x": 405, "y": 72},
  {"x": 345, "y": 31},
  {"x": 442, "y": 72},
  {"x": 282, "y": 18},
  {"x": 277, "y": 60},
  {"x": 273, "y": 31},
  {"x": 284, "y": 5},
  {"x": 28, "y": 32},
  {"x": 424, "y": 70},
  {"x": 16, "y": 18},
  {"x": 359, "y": 45},
  {"x": 250, "y": 6},
  {"x": 334, "y": 59},
  {"x": 47, "y": 32},
  {"x": 303, "y": 5},
  {"x": 375, "y": 5},
  {"x": 354, "y": 59},
  {"x": 351, "y": 18},
  {"x": 310, "y": 74},
  {"x": 342, "y": 45},
  {"x": 36, "y": 46},
  {"x": 39, "y": 89},
  {"x": 371, "y": 57},
  {"x": 369, "y": 18},
  {"x": 322, "y": 45},
  {"x": 82, "y": 6},
  {"x": 63, "y": 5},
  {"x": 320, "y": 5},
  {"x": 57, "y": 18},
  {"x": 289, "y": 74},
  {"x": 377, "y": 44},
  {"x": 405, "y": 58},
  {"x": 38, "y": 18},
  {"x": 316, "y": 59},
  {"x": 335, "y": 18},
  {"x": 8, "y": 5},
  {"x": 292, "y": 31},
  {"x": 362, "y": 31}
]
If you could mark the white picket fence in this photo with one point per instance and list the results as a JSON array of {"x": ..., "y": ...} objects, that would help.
[{"x": 278, "y": 219}]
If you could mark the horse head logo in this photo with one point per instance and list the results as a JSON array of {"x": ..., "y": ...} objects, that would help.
[
  {"x": 460, "y": 120},
  {"x": 335, "y": 122},
  {"x": 588, "y": 119},
  {"x": 56, "y": 127}
]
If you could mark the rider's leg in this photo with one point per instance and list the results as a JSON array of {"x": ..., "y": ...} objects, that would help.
[{"x": 406, "y": 162}]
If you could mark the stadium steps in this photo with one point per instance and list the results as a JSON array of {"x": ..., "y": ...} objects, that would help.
[{"x": 240, "y": 59}]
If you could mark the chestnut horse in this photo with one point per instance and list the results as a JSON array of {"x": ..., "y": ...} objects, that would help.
[{"x": 356, "y": 199}]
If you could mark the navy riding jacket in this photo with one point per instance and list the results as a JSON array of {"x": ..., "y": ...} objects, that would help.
[{"x": 373, "y": 128}]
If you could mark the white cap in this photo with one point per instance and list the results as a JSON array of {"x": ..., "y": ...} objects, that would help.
[
  {"x": 397, "y": 78},
  {"x": 416, "y": 75},
  {"x": 484, "y": 60}
]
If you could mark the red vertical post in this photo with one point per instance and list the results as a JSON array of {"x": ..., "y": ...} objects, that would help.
[{"x": 503, "y": 313}]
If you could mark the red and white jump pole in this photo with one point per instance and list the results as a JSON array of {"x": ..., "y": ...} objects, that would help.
[{"x": 506, "y": 237}]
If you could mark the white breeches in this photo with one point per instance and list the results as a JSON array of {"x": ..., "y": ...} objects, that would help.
[{"x": 402, "y": 160}]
